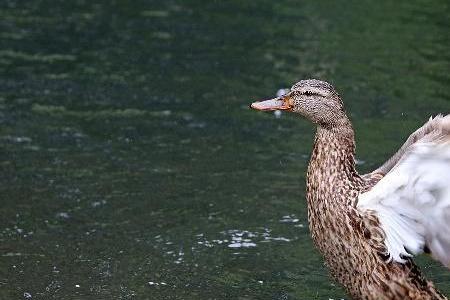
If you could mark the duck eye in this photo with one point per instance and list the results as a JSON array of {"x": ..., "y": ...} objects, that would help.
[{"x": 308, "y": 93}]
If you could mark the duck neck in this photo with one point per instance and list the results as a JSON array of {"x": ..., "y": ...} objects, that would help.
[{"x": 331, "y": 171}]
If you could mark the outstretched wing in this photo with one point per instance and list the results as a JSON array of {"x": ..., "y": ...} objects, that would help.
[{"x": 412, "y": 201}]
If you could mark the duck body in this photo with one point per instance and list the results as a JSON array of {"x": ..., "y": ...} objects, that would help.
[
  {"x": 367, "y": 226},
  {"x": 350, "y": 241}
]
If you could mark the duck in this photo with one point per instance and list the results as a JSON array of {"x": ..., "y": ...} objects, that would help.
[{"x": 368, "y": 227}]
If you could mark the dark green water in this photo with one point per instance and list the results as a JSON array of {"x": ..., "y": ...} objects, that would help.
[{"x": 132, "y": 168}]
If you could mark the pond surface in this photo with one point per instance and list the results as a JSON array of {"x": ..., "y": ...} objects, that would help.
[{"x": 132, "y": 167}]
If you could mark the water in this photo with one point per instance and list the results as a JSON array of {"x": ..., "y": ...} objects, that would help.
[{"x": 132, "y": 167}]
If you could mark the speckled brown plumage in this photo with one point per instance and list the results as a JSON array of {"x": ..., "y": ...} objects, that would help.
[{"x": 351, "y": 242}]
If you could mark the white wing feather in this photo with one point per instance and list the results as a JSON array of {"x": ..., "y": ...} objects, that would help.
[{"x": 412, "y": 202}]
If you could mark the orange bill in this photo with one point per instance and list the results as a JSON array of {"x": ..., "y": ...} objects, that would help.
[{"x": 280, "y": 103}]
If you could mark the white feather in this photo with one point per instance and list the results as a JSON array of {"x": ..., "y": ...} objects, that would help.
[{"x": 412, "y": 202}]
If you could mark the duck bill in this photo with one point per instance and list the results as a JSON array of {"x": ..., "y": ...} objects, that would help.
[{"x": 280, "y": 103}]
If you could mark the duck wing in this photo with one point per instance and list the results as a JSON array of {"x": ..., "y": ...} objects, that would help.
[{"x": 412, "y": 201}]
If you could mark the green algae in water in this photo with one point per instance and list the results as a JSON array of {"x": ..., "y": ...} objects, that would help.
[
  {"x": 62, "y": 111},
  {"x": 46, "y": 58},
  {"x": 155, "y": 13}
]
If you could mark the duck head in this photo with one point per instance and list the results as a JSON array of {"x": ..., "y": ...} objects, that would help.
[{"x": 314, "y": 99}]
